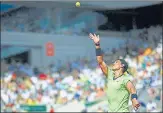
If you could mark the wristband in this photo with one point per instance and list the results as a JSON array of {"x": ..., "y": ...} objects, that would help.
[
  {"x": 98, "y": 52},
  {"x": 134, "y": 96}
]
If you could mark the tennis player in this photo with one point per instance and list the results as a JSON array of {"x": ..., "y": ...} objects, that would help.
[{"x": 119, "y": 86}]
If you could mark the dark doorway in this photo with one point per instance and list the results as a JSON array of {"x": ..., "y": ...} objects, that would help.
[{"x": 22, "y": 57}]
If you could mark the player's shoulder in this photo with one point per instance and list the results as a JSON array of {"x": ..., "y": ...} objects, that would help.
[
  {"x": 109, "y": 72},
  {"x": 127, "y": 76},
  {"x": 109, "y": 68}
]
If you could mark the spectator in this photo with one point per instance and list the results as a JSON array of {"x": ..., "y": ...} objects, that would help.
[
  {"x": 52, "y": 110},
  {"x": 151, "y": 106}
]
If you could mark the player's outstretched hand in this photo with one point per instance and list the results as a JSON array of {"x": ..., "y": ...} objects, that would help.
[{"x": 95, "y": 38}]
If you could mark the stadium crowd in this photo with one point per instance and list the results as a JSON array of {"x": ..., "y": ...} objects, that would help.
[{"x": 82, "y": 79}]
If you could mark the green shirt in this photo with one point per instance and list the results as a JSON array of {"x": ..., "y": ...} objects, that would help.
[{"x": 118, "y": 95}]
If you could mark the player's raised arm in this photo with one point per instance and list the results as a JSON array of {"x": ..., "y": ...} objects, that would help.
[{"x": 99, "y": 54}]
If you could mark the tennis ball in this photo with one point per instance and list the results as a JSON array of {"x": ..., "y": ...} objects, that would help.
[{"x": 77, "y": 4}]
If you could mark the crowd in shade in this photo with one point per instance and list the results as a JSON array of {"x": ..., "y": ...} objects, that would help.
[
  {"x": 52, "y": 21},
  {"x": 82, "y": 80}
]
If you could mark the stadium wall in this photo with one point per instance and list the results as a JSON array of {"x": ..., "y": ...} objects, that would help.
[{"x": 65, "y": 47}]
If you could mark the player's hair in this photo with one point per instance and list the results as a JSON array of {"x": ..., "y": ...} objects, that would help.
[{"x": 125, "y": 65}]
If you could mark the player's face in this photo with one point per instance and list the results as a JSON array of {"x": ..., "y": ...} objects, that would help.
[{"x": 116, "y": 65}]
